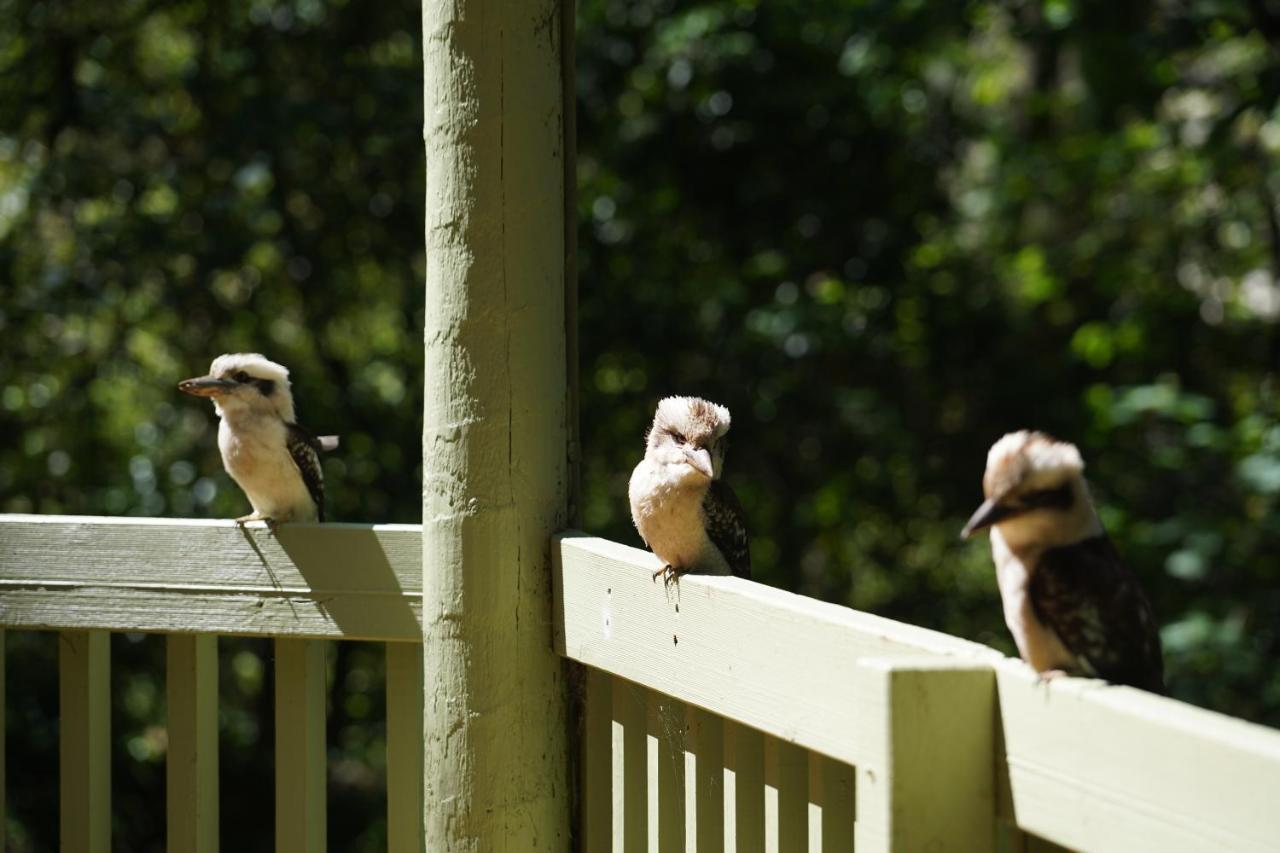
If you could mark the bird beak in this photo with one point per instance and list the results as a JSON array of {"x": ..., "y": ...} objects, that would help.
[
  {"x": 700, "y": 459},
  {"x": 206, "y": 386},
  {"x": 991, "y": 512}
]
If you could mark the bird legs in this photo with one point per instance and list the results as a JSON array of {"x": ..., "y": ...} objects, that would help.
[
  {"x": 670, "y": 574},
  {"x": 1049, "y": 675},
  {"x": 272, "y": 524}
]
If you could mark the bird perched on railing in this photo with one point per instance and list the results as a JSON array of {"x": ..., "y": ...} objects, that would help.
[
  {"x": 1071, "y": 603},
  {"x": 275, "y": 461},
  {"x": 685, "y": 513}
]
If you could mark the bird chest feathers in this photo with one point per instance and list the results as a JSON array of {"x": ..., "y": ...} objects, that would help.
[
  {"x": 252, "y": 446},
  {"x": 668, "y": 514},
  {"x": 1037, "y": 643}
]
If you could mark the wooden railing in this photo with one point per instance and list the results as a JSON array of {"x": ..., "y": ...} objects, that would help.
[
  {"x": 193, "y": 581},
  {"x": 720, "y": 714}
]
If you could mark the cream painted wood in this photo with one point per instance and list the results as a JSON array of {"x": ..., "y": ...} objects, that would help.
[
  {"x": 84, "y": 748},
  {"x": 350, "y": 581},
  {"x": 630, "y": 768},
  {"x": 301, "y": 761},
  {"x": 595, "y": 761},
  {"x": 1084, "y": 764},
  {"x": 706, "y": 795},
  {"x": 666, "y": 783},
  {"x": 191, "y": 765},
  {"x": 404, "y": 748},
  {"x": 781, "y": 663},
  {"x": 786, "y": 797},
  {"x": 926, "y": 778},
  {"x": 834, "y": 783},
  {"x": 495, "y": 423},
  {"x": 744, "y": 790},
  {"x": 1112, "y": 768}
]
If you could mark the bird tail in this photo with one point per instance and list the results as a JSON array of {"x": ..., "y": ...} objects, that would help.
[{"x": 328, "y": 442}]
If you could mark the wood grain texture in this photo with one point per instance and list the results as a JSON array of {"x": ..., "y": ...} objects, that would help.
[
  {"x": 1097, "y": 767},
  {"x": 495, "y": 424},
  {"x": 340, "y": 581},
  {"x": 84, "y": 741},
  {"x": 191, "y": 765},
  {"x": 778, "y": 662}
]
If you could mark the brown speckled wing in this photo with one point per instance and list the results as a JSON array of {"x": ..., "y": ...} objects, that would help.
[
  {"x": 1094, "y": 603},
  {"x": 727, "y": 528},
  {"x": 305, "y": 450}
]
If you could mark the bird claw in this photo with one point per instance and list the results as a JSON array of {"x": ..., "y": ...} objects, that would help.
[
  {"x": 670, "y": 574},
  {"x": 1049, "y": 675},
  {"x": 271, "y": 523}
]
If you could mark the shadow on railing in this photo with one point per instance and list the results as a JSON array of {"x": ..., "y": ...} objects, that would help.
[
  {"x": 900, "y": 737},
  {"x": 195, "y": 580}
]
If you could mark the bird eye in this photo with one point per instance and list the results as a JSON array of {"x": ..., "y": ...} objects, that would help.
[
  {"x": 241, "y": 376},
  {"x": 678, "y": 436}
]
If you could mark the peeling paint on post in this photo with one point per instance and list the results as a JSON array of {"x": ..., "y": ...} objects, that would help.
[{"x": 495, "y": 426}]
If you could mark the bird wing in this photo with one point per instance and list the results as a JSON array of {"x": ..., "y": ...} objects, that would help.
[
  {"x": 1096, "y": 606},
  {"x": 305, "y": 448},
  {"x": 726, "y": 527}
]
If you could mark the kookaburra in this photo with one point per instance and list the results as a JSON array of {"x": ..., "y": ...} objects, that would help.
[
  {"x": 275, "y": 461},
  {"x": 1071, "y": 603},
  {"x": 681, "y": 507}
]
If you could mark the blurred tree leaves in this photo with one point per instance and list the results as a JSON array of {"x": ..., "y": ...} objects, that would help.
[{"x": 882, "y": 233}]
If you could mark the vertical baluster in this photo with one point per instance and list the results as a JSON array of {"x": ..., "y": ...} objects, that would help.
[
  {"x": 404, "y": 748},
  {"x": 630, "y": 768},
  {"x": 191, "y": 766},
  {"x": 744, "y": 782},
  {"x": 665, "y": 753},
  {"x": 596, "y": 765},
  {"x": 708, "y": 786},
  {"x": 300, "y": 746},
  {"x": 832, "y": 781},
  {"x": 786, "y": 797},
  {"x": 84, "y": 755}
]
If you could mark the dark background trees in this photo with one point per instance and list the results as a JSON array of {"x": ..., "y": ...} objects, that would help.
[{"x": 882, "y": 233}]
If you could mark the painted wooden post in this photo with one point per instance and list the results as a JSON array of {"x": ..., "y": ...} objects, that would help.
[
  {"x": 926, "y": 780},
  {"x": 191, "y": 768},
  {"x": 495, "y": 426},
  {"x": 84, "y": 750}
]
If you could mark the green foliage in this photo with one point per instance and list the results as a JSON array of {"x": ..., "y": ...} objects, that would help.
[
  {"x": 179, "y": 180},
  {"x": 882, "y": 233},
  {"x": 885, "y": 234}
]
